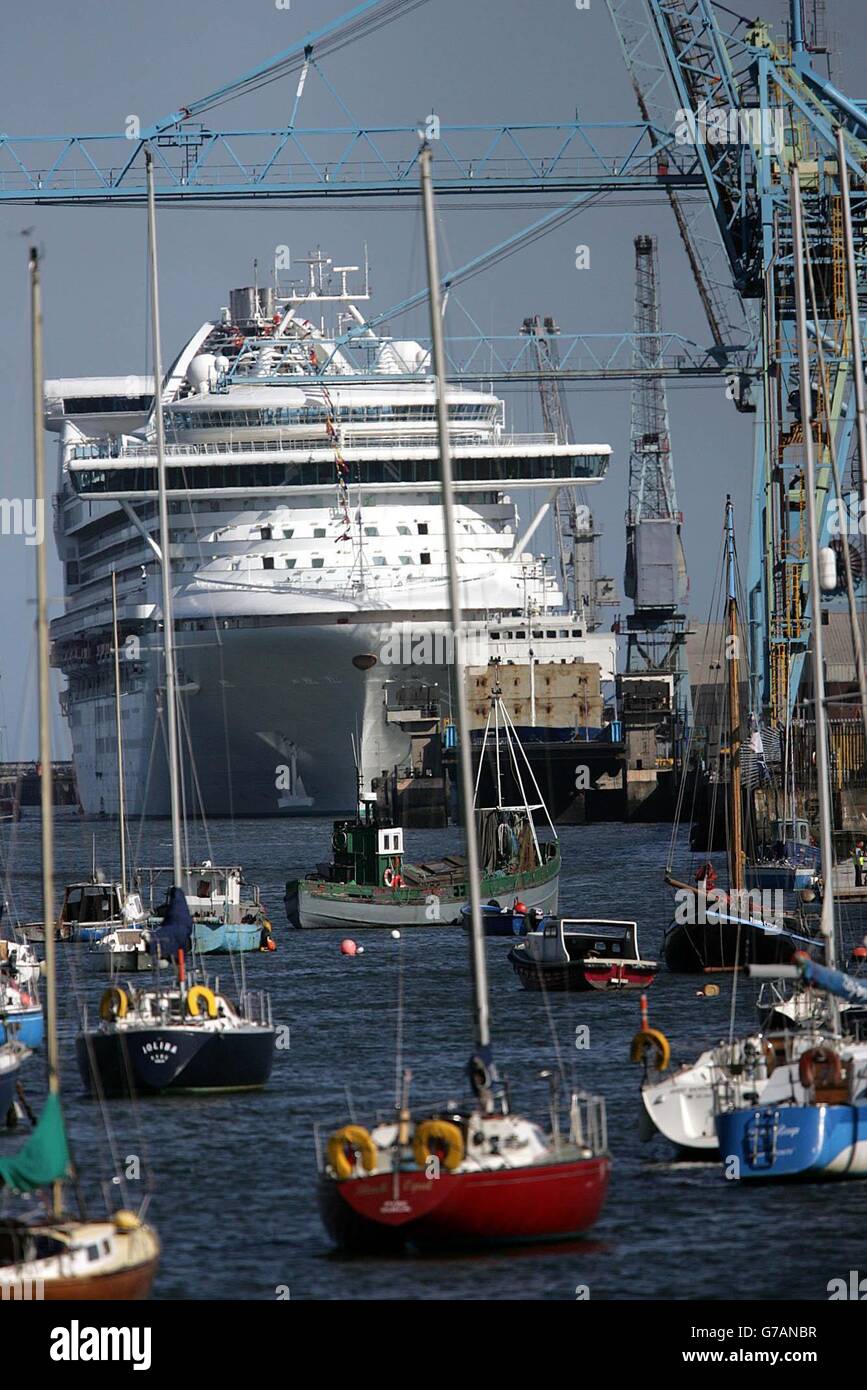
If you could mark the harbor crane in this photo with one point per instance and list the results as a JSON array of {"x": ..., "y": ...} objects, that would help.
[
  {"x": 655, "y": 688},
  {"x": 575, "y": 531}
]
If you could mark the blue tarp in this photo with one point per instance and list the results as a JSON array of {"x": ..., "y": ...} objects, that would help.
[{"x": 175, "y": 932}]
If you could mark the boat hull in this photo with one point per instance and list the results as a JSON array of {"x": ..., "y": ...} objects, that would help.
[
  {"x": 121, "y": 1286},
  {"x": 158, "y": 1060},
  {"x": 788, "y": 878},
  {"x": 317, "y": 907},
  {"x": 224, "y": 937},
  {"x": 696, "y": 949},
  {"x": 93, "y": 933},
  {"x": 795, "y": 1141},
  {"x": 26, "y": 1026},
  {"x": 581, "y": 976},
  {"x": 546, "y": 1201},
  {"x": 126, "y": 1272},
  {"x": 680, "y": 1108}
]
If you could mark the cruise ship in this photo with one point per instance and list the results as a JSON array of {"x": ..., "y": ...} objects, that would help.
[{"x": 306, "y": 536}]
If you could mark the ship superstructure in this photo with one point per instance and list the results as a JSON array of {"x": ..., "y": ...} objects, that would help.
[{"x": 302, "y": 469}]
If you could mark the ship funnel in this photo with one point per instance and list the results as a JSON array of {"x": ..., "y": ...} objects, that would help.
[{"x": 250, "y": 306}]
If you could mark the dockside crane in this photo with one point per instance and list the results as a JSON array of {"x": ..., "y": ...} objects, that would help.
[
  {"x": 655, "y": 690},
  {"x": 574, "y": 527}
]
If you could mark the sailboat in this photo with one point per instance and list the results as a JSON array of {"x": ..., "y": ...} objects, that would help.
[
  {"x": 182, "y": 1035},
  {"x": 56, "y": 1255},
  {"x": 716, "y": 929},
  {"x": 811, "y": 1119},
  {"x": 723, "y": 931},
  {"x": 470, "y": 1171}
]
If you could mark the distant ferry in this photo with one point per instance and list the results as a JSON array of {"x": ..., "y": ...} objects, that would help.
[{"x": 302, "y": 469}]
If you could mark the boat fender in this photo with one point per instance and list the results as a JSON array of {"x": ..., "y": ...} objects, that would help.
[
  {"x": 770, "y": 1054},
  {"x": 822, "y": 1065},
  {"x": 651, "y": 1038},
  {"x": 198, "y": 995},
  {"x": 433, "y": 1135},
  {"x": 356, "y": 1139},
  {"x": 113, "y": 1004}
]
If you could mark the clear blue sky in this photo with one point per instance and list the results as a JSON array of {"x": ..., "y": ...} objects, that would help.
[{"x": 85, "y": 65}]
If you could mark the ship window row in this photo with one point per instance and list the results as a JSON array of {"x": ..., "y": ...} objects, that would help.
[
  {"x": 212, "y": 477},
  {"x": 312, "y": 414},
  {"x": 291, "y": 562},
  {"x": 520, "y": 635},
  {"x": 107, "y": 405}
]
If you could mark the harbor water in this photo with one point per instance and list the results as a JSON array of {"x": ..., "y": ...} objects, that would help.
[{"x": 232, "y": 1179}]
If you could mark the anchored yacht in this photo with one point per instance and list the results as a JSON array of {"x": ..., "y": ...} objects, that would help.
[{"x": 302, "y": 471}]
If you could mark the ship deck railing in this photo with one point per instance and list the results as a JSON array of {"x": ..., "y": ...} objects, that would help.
[
  {"x": 582, "y": 1118},
  {"x": 138, "y": 454}
]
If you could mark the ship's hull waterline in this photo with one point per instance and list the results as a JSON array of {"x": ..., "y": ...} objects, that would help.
[{"x": 262, "y": 708}]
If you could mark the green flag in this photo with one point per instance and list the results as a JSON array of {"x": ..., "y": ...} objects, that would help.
[{"x": 44, "y": 1159}]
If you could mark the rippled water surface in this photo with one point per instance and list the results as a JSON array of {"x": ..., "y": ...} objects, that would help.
[{"x": 234, "y": 1178}]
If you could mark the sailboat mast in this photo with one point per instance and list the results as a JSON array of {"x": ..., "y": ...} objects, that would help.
[
  {"x": 47, "y": 783},
  {"x": 118, "y": 726},
  {"x": 736, "y": 864},
  {"x": 477, "y": 940},
  {"x": 854, "y": 320},
  {"x": 823, "y": 785},
  {"x": 165, "y": 538}
]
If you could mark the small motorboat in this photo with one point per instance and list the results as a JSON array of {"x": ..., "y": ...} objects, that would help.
[
  {"x": 90, "y": 909},
  {"x": 582, "y": 953},
  {"x": 126, "y": 949},
  {"x": 502, "y": 921}
]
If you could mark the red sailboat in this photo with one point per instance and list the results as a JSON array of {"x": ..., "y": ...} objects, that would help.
[{"x": 471, "y": 1172}]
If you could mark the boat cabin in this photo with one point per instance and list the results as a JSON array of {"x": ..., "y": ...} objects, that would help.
[
  {"x": 560, "y": 940},
  {"x": 89, "y": 904},
  {"x": 796, "y": 830},
  {"x": 207, "y": 888},
  {"x": 212, "y": 891},
  {"x": 367, "y": 850}
]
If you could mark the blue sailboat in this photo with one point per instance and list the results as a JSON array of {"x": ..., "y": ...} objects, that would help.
[{"x": 812, "y": 1121}]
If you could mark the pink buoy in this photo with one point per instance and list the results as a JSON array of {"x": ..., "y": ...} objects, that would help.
[{"x": 348, "y": 947}]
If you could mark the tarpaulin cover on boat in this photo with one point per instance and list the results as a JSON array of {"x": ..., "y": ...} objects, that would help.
[
  {"x": 175, "y": 931},
  {"x": 44, "y": 1159}
]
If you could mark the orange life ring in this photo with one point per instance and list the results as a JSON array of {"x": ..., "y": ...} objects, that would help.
[{"x": 388, "y": 877}]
